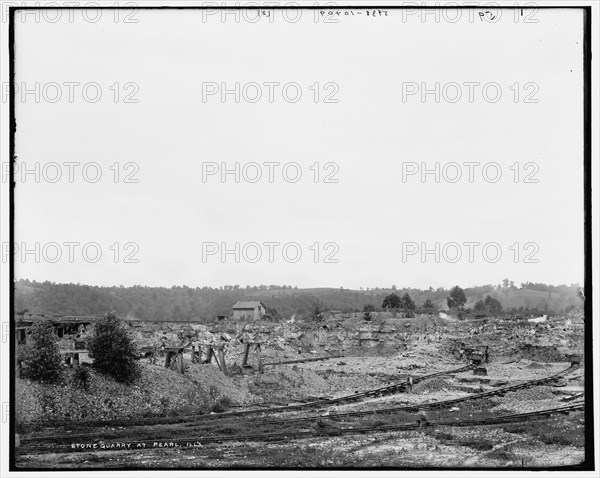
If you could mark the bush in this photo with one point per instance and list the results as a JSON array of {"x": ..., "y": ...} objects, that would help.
[
  {"x": 41, "y": 358},
  {"x": 367, "y": 309},
  {"x": 428, "y": 306},
  {"x": 407, "y": 302},
  {"x": 477, "y": 443},
  {"x": 81, "y": 377},
  {"x": 504, "y": 455},
  {"x": 457, "y": 299},
  {"x": 226, "y": 402},
  {"x": 443, "y": 436},
  {"x": 391, "y": 301},
  {"x": 222, "y": 405},
  {"x": 567, "y": 431},
  {"x": 113, "y": 350}
]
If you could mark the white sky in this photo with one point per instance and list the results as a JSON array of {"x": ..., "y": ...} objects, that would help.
[{"x": 369, "y": 133}]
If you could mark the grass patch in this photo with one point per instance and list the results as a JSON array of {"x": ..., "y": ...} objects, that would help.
[
  {"x": 443, "y": 436},
  {"x": 221, "y": 405},
  {"x": 313, "y": 457},
  {"x": 500, "y": 454},
  {"x": 564, "y": 431},
  {"x": 480, "y": 444}
]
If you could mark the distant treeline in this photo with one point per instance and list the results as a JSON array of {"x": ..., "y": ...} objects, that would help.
[{"x": 182, "y": 303}]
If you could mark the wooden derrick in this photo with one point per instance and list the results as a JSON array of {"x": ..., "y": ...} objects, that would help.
[
  {"x": 258, "y": 351},
  {"x": 174, "y": 358}
]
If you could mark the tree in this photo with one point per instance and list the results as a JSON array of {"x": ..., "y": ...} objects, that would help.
[
  {"x": 407, "y": 302},
  {"x": 42, "y": 360},
  {"x": 317, "y": 313},
  {"x": 479, "y": 306},
  {"x": 488, "y": 305},
  {"x": 457, "y": 299},
  {"x": 367, "y": 309},
  {"x": 113, "y": 350},
  {"x": 493, "y": 306},
  {"x": 392, "y": 301},
  {"x": 428, "y": 305}
]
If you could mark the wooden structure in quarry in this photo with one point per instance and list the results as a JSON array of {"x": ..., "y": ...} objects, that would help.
[
  {"x": 67, "y": 325},
  {"x": 72, "y": 331},
  {"x": 258, "y": 351},
  {"x": 69, "y": 330},
  {"x": 219, "y": 357},
  {"x": 174, "y": 356}
]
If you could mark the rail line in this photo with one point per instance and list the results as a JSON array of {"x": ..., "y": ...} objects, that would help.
[
  {"x": 377, "y": 392},
  {"x": 404, "y": 408},
  {"x": 441, "y": 403},
  {"x": 194, "y": 442},
  {"x": 312, "y": 359}
]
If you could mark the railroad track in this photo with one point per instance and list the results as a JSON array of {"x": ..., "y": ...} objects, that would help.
[
  {"x": 292, "y": 420},
  {"x": 194, "y": 442},
  {"x": 442, "y": 403},
  {"x": 312, "y": 359},
  {"x": 373, "y": 393}
]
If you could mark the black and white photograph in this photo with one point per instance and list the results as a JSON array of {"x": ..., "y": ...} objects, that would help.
[{"x": 315, "y": 237}]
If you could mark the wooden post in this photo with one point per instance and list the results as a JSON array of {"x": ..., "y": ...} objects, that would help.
[
  {"x": 197, "y": 354},
  {"x": 259, "y": 356},
  {"x": 217, "y": 357},
  {"x": 246, "y": 350},
  {"x": 168, "y": 359},
  {"x": 422, "y": 419},
  {"x": 180, "y": 362},
  {"x": 210, "y": 354},
  {"x": 222, "y": 360},
  {"x": 218, "y": 353}
]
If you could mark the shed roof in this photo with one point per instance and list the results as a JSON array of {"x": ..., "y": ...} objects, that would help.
[{"x": 248, "y": 305}]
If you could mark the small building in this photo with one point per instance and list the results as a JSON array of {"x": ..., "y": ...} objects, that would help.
[
  {"x": 70, "y": 326},
  {"x": 248, "y": 310}
]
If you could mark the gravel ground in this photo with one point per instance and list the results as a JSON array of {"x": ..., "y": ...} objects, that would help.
[{"x": 158, "y": 392}]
